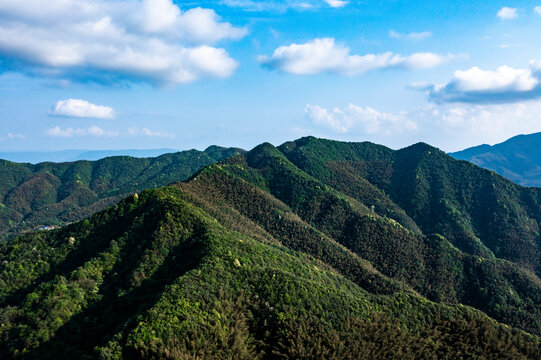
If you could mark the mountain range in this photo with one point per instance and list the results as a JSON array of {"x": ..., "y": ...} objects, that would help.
[
  {"x": 313, "y": 249},
  {"x": 518, "y": 159},
  {"x": 52, "y": 194}
]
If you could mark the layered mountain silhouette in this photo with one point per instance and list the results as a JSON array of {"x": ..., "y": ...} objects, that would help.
[
  {"x": 518, "y": 159},
  {"x": 313, "y": 249}
]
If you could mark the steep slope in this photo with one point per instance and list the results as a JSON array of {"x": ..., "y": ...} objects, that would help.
[
  {"x": 518, "y": 159},
  {"x": 478, "y": 211},
  {"x": 156, "y": 276},
  {"x": 52, "y": 194},
  {"x": 340, "y": 231}
]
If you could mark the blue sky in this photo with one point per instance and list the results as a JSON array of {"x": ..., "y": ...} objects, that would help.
[{"x": 93, "y": 74}]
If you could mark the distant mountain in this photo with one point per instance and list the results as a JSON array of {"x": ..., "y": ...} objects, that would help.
[
  {"x": 518, "y": 159},
  {"x": 34, "y": 157},
  {"x": 55, "y": 193},
  {"x": 315, "y": 249}
]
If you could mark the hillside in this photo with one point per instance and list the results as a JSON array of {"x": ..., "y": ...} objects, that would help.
[
  {"x": 310, "y": 250},
  {"x": 478, "y": 211},
  {"x": 518, "y": 159},
  {"x": 58, "y": 193}
]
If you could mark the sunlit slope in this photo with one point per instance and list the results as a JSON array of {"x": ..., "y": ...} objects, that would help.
[{"x": 158, "y": 277}]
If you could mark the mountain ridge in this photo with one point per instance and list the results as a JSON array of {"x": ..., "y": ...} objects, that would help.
[
  {"x": 55, "y": 193},
  {"x": 516, "y": 158}
]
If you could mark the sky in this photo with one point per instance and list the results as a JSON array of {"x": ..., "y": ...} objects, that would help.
[{"x": 142, "y": 74}]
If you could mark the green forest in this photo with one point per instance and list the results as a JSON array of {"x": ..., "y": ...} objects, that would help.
[
  {"x": 53, "y": 194},
  {"x": 315, "y": 249}
]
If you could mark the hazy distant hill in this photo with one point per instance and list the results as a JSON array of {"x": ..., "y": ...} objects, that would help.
[
  {"x": 315, "y": 249},
  {"x": 518, "y": 159},
  {"x": 55, "y": 193},
  {"x": 35, "y": 157}
]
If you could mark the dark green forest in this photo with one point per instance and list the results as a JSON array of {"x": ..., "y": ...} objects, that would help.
[
  {"x": 315, "y": 249},
  {"x": 53, "y": 194}
]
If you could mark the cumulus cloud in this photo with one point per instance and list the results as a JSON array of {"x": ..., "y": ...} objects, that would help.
[
  {"x": 325, "y": 56},
  {"x": 466, "y": 124},
  {"x": 149, "y": 40},
  {"x": 358, "y": 119},
  {"x": 507, "y": 13},
  {"x": 411, "y": 36},
  {"x": 537, "y": 10},
  {"x": 449, "y": 126},
  {"x": 475, "y": 85},
  {"x": 69, "y": 132},
  {"x": 82, "y": 109}
]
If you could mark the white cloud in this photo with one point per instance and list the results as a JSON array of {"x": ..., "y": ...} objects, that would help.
[
  {"x": 151, "y": 40},
  {"x": 537, "y": 10},
  {"x": 359, "y": 119},
  {"x": 507, "y": 13},
  {"x": 16, "y": 136},
  {"x": 448, "y": 126},
  {"x": 503, "y": 79},
  {"x": 83, "y": 109},
  {"x": 324, "y": 56},
  {"x": 506, "y": 84},
  {"x": 96, "y": 131},
  {"x": 336, "y": 3},
  {"x": 411, "y": 36},
  {"x": 283, "y": 5},
  {"x": 79, "y": 132},
  {"x": 134, "y": 131},
  {"x": 466, "y": 124}
]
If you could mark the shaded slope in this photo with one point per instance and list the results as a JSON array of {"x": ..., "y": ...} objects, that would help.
[
  {"x": 52, "y": 194},
  {"x": 518, "y": 159},
  {"x": 429, "y": 264},
  {"x": 478, "y": 211},
  {"x": 158, "y": 277}
]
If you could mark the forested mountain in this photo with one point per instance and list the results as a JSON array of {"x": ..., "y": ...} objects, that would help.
[
  {"x": 518, "y": 159},
  {"x": 57, "y": 193},
  {"x": 315, "y": 249}
]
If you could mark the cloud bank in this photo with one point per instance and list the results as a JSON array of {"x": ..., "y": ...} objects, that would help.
[
  {"x": 358, "y": 119},
  {"x": 504, "y": 85},
  {"x": 148, "y": 40},
  {"x": 82, "y": 109},
  {"x": 449, "y": 126},
  {"x": 283, "y": 5},
  {"x": 323, "y": 55},
  {"x": 69, "y": 132},
  {"x": 96, "y": 131}
]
